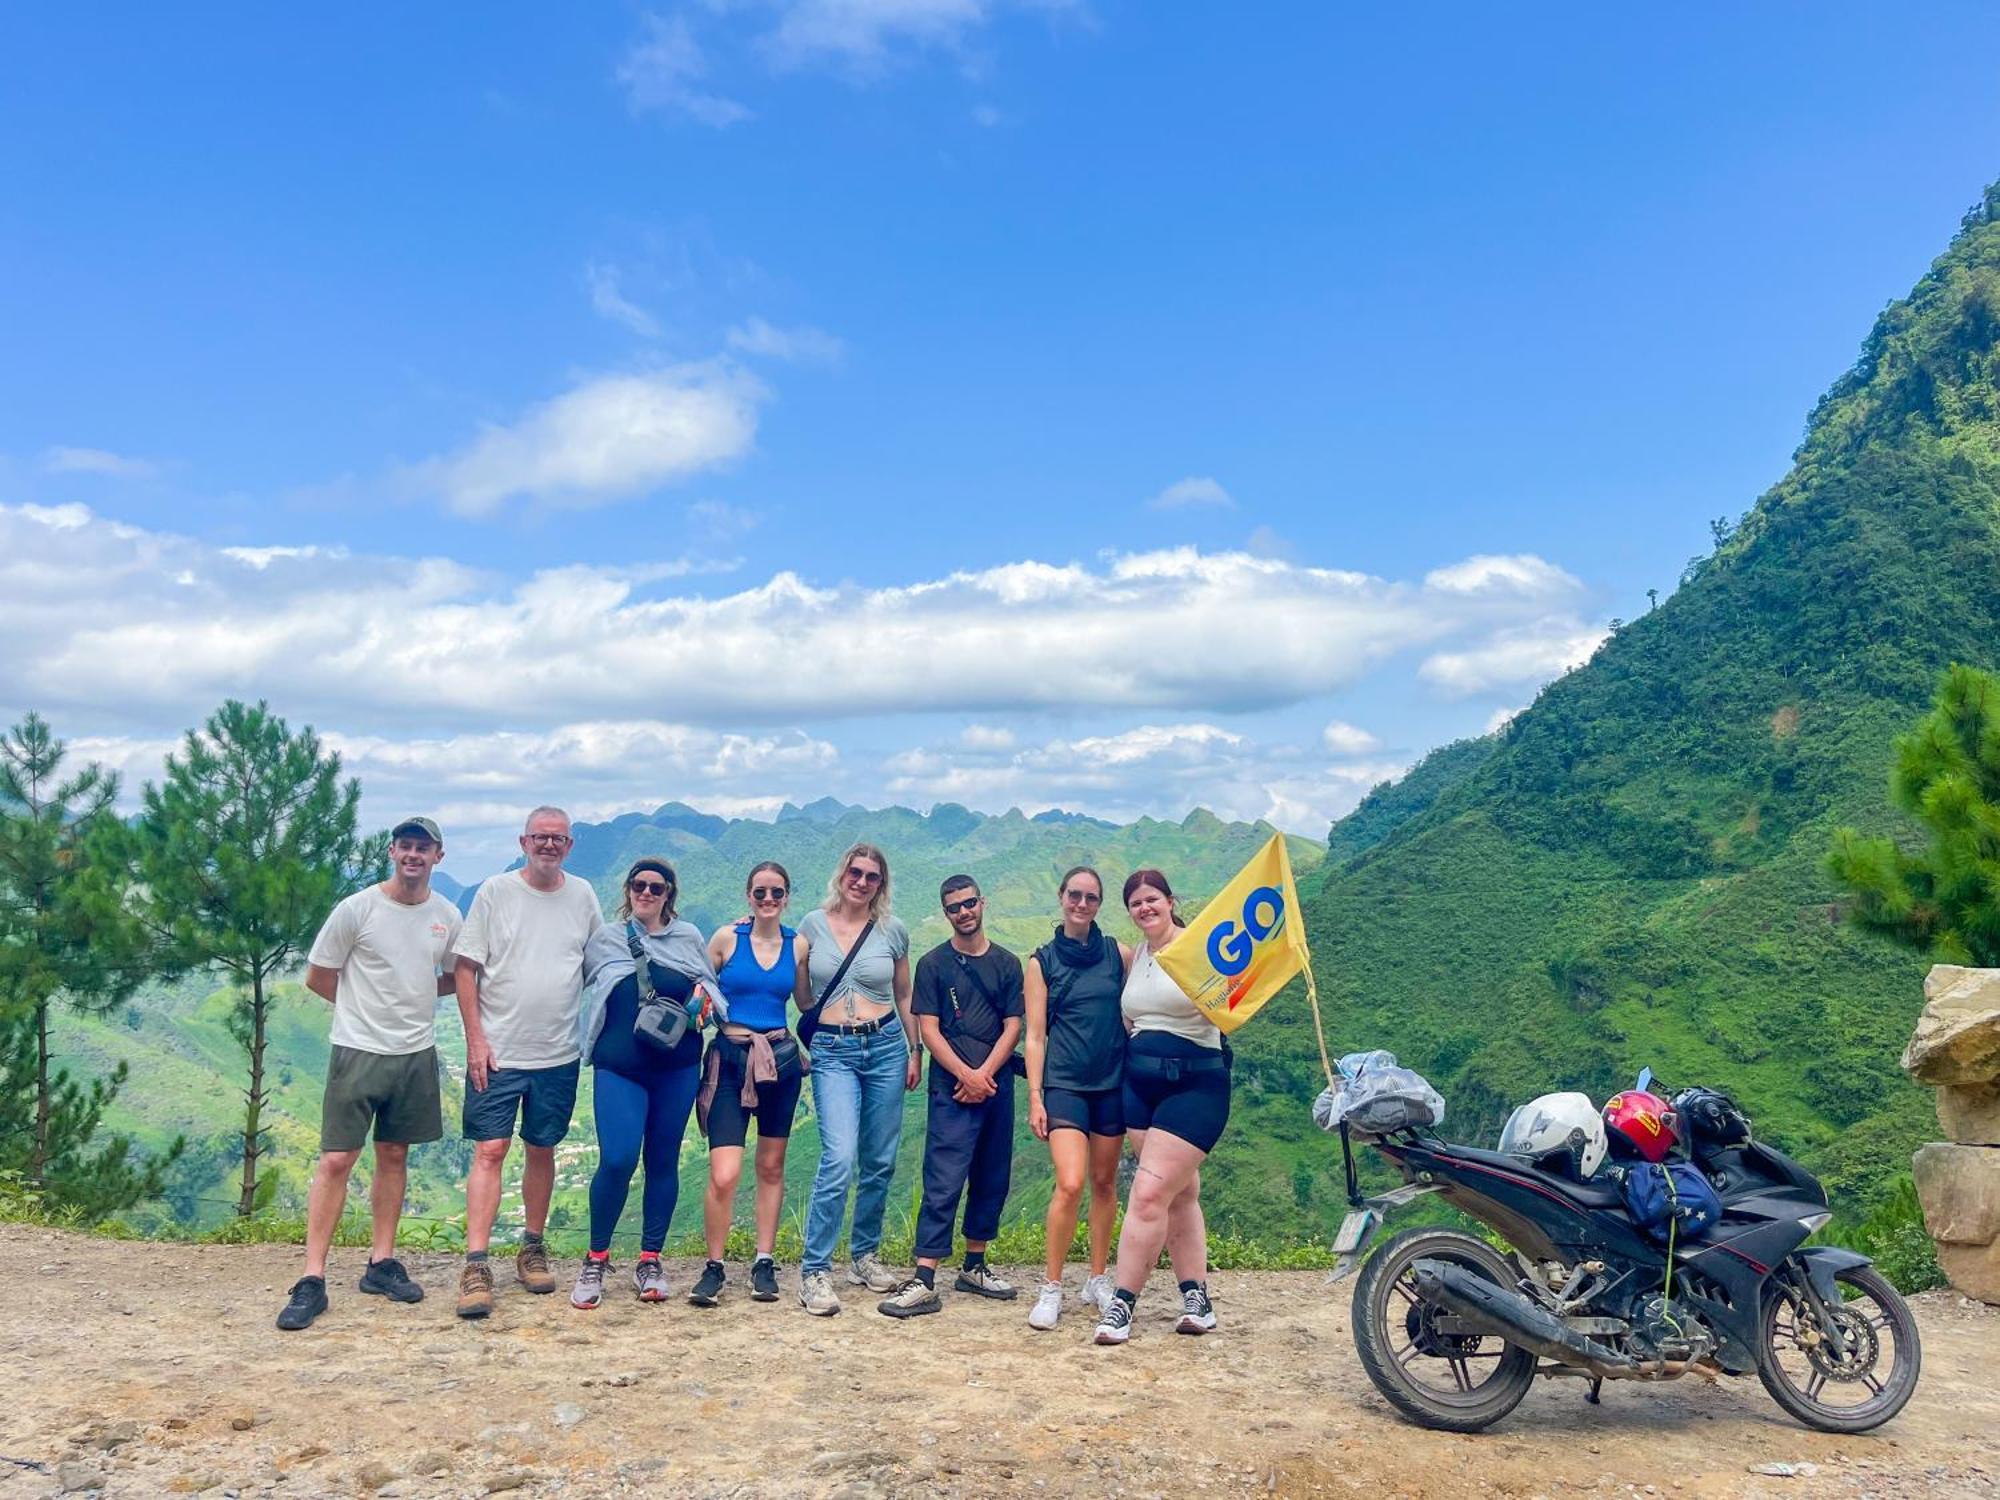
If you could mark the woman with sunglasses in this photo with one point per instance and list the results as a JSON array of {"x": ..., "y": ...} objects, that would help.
[
  {"x": 641, "y": 1093},
  {"x": 753, "y": 1071},
  {"x": 856, "y": 971},
  {"x": 1176, "y": 1105},
  {"x": 1076, "y": 1067}
]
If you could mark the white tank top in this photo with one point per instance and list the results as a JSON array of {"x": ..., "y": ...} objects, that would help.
[{"x": 1151, "y": 1001}]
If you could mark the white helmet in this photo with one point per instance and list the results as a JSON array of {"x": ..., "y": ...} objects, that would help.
[{"x": 1557, "y": 1122}]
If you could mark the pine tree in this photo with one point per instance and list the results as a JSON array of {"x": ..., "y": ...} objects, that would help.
[
  {"x": 1945, "y": 899},
  {"x": 62, "y": 938},
  {"x": 242, "y": 849}
]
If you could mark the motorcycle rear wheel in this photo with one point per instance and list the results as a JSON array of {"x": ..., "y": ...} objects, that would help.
[
  {"x": 1800, "y": 1374},
  {"x": 1398, "y": 1347}
]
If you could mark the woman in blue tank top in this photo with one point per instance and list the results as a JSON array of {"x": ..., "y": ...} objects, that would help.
[{"x": 753, "y": 1071}]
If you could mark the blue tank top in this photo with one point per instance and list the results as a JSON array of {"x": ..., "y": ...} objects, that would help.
[{"x": 757, "y": 995}]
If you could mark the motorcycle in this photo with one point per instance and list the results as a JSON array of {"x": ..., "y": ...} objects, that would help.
[{"x": 1453, "y": 1331}]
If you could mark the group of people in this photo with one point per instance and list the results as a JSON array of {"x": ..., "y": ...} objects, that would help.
[{"x": 673, "y": 1023}]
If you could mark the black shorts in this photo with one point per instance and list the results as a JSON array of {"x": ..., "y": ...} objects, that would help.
[
  {"x": 1093, "y": 1111},
  {"x": 777, "y": 1101},
  {"x": 395, "y": 1096},
  {"x": 1178, "y": 1086},
  {"x": 543, "y": 1098}
]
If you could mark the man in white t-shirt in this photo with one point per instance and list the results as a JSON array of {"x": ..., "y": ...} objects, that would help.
[
  {"x": 520, "y": 987},
  {"x": 381, "y": 961}
]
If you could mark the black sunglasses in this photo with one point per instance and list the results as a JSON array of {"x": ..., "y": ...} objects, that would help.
[
  {"x": 1083, "y": 898},
  {"x": 953, "y": 908},
  {"x": 646, "y": 887},
  {"x": 769, "y": 893},
  {"x": 864, "y": 877}
]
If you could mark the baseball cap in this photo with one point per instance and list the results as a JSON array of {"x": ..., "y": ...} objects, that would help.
[{"x": 425, "y": 826}]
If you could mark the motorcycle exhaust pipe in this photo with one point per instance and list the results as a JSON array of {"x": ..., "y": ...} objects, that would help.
[{"x": 1480, "y": 1304}]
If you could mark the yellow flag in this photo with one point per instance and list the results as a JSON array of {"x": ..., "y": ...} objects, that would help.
[{"x": 1246, "y": 943}]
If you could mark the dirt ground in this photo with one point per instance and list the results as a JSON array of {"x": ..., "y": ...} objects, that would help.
[{"x": 144, "y": 1369}]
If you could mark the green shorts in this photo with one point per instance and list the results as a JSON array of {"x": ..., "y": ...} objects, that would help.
[{"x": 396, "y": 1096}]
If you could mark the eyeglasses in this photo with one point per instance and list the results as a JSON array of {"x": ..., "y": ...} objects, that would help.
[
  {"x": 953, "y": 908},
  {"x": 858, "y": 876},
  {"x": 646, "y": 887},
  {"x": 1083, "y": 898},
  {"x": 548, "y": 840},
  {"x": 769, "y": 893}
]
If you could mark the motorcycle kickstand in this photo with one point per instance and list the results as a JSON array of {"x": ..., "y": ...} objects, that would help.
[{"x": 1595, "y": 1394}]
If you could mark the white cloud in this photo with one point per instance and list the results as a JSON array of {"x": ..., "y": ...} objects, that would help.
[
  {"x": 1345, "y": 739},
  {"x": 863, "y": 33},
  {"x": 1195, "y": 490},
  {"x": 985, "y": 116},
  {"x": 986, "y": 737},
  {"x": 98, "y": 461},
  {"x": 609, "y": 438},
  {"x": 1521, "y": 573},
  {"x": 149, "y": 627},
  {"x": 662, "y": 71},
  {"x": 1500, "y": 718},
  {"x": 803, "y": 343},
  {"x": 718, "y": 520},
  {"x": 609, "y": 301},
  {"x": 1514, "y": 656}
]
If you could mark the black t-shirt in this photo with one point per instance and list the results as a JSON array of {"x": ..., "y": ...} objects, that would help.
[
  {"x": 622, "y": 1052},
  {"x": 971, "y": 997}
]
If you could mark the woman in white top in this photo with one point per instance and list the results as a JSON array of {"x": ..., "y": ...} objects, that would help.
[{"x": 1176, "y": 1105}]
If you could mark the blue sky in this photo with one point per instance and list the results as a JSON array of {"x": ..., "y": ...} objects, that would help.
[{"x": 1115, "y": 406}]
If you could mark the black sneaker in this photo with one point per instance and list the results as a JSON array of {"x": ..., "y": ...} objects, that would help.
[
  {"x": 708, "y": 1290},
  {"x": 1197, "y": 1312},
  {"x": 308, "y": 1302},
  {"x": 764, "y": 1279},
  {"x": 387, "y": 1278}
]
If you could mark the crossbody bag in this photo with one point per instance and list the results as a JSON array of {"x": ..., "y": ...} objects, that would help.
[
  {"x": 661, "y": 1022},
  {"x": 809, "y": 1019}
]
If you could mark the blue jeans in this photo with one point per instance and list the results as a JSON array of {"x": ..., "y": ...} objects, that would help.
[
  {"x": 635, "y": 1116},
  {"x": 857, "y": 1084}
]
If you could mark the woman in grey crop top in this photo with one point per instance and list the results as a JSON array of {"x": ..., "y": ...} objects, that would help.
[{"x": 864, "y": 1058}]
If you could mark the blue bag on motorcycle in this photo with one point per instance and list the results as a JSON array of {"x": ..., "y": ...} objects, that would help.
[{"x": 1670, "y": 1197}]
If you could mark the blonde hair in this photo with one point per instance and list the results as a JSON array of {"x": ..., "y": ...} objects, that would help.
[{"x": 878, "y": 908}]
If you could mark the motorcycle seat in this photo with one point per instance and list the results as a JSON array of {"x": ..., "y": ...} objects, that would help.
[{"x": 1593, "y": 1192}]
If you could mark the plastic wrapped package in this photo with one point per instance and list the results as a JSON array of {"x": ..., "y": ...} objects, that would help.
[{"x": 1377, "y": 1096}]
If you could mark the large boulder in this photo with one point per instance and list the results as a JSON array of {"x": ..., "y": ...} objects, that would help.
[
  {"x": 1959, "y": 1187},
  {"x": 1958, "y": 1034},
  {"x": 1969, "y": 1113}
]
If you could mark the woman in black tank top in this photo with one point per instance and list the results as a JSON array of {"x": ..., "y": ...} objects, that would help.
[{"x": 1076, "y": 1064}]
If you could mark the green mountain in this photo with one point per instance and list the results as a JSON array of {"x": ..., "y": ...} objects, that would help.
[{"x": 1630, "y": 872}]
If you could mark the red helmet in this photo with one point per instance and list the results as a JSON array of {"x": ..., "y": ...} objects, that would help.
[{"x": 1640, "y": 1124}]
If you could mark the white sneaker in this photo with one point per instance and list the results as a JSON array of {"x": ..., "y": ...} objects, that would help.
[
  {"x": 1048, "y": 1306},
  {"x": 1096, "y": 1292},
  {"x": 868, "y": 1271},
  {"x": 816, "y": 1294},
  {"x": 1115, "y": 1327}
]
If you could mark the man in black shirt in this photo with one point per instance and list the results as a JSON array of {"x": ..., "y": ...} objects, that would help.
[{"x": 968, "y": 1007}]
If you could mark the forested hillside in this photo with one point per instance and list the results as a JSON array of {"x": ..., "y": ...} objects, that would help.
[{"x": 1631, "y": 873}]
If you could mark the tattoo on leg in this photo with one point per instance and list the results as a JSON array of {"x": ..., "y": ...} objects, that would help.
[{"x": 1149, "y": 1171}]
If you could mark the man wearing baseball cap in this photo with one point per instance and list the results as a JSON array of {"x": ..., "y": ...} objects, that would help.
[{"x": 381, "y": 961}]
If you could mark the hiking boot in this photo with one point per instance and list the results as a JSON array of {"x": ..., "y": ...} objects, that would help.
[
  {"x": 708, "y": 1290},
  {"x": 1048, "y": 1306},
  {"x": 763, "y": 1279},
  {"x": 1096, "y": 1291},
  {"x": 816, "y": 1294},
  {"x": 981, "y": 1282},
  {"x": 308, "y": 1302},
  {"x": 1197, "y": 1312},
  {"x": 866, "y": 1270},
  {"x": 589, "y": 1289},
  {"x": 475, "y": 1289},
  {"x": 912, "y": 1300},
  {"x": 649, "y": 1278},
  {"x": 531, "y": 1269},
  {"x": 1116, "y": 1325},
  {"x": 387, "y": 1278}
]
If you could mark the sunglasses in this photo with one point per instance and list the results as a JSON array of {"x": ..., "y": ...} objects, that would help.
[
  {"x": 1083, "y": 898},
  {"x": 953, "y": 908},
  {"x": 646, "y": 887},
  {"x": 769, "y": 893},
  {"x": 859, "y": 876}
]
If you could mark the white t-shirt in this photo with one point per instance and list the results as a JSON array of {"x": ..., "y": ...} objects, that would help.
[
  {"x": 1153, "y": 1002},
  {"x": 388, "y": 955},
  {"x": 530, "y": 944}
]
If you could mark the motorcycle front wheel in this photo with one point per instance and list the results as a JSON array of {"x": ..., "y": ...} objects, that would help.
[
  {"x": 1454, "y": 1382},
  {"x": 1872, "y": 1375}
]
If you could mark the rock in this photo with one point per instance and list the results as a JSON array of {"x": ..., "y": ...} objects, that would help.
[
  {"x": 1959, "y": 1187},
  {"x": 1969, "y": 1113},
  {"x": 242, "y": 1422},
  {"x": 1958, "y": 1033},
  {"x": 568, "y": 1414},
  {"x": 513, "y": 1479},
  {"x": 116, "y": 1435},
  {"x": 432, "y": 1462},
  {"x": 1786, "y": 1471},
  {"x": 1973, "y": 1269},
  {"x": 374, "y": 1474},
  {"x": 78, "y": 1475}
]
